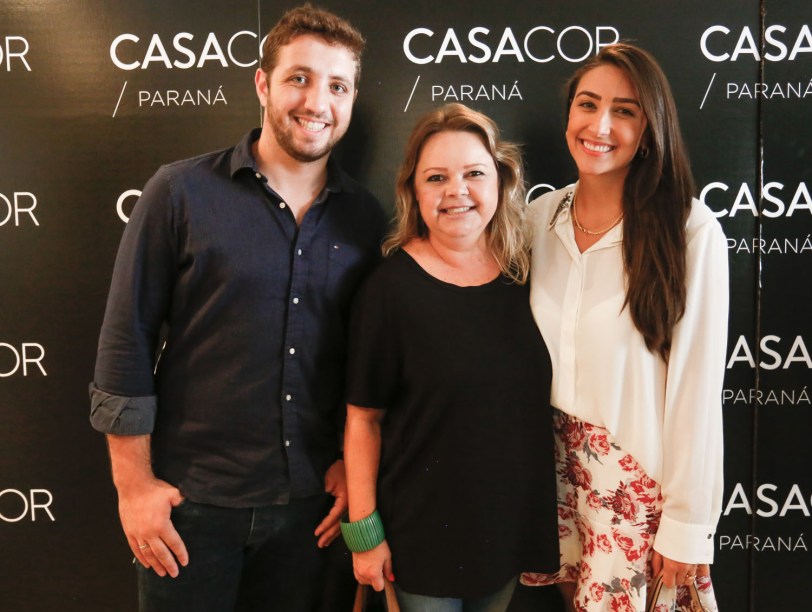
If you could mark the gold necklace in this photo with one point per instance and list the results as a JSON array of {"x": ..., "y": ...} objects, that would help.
[{"x": 614, "y": 222}]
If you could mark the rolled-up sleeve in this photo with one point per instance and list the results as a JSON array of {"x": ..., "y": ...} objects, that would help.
[
  {"x": 123, "y": 393},
  {"x": 123, "y": 416}
]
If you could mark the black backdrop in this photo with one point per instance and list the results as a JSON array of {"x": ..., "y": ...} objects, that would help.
[{"x": 96, "y": 94}]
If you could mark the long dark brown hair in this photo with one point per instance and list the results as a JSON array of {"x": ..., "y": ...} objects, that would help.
[{"x": 657, "y": 197}]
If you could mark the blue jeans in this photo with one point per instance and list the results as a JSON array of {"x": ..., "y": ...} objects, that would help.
[
  {"x": 243, "y": 559},
  {"x": 495, "y": 602}
]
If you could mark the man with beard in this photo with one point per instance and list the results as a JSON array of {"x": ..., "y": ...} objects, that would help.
[{"x": 226, "y": 455}]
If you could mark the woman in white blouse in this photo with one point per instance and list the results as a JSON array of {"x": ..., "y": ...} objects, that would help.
[{"x": 630, "y": 291}]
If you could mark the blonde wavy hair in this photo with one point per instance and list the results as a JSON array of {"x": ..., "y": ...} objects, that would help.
[{"x": 507, "y": 235}]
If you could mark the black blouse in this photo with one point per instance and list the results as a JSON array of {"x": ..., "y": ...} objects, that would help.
[{"x": 466, "y": 485}]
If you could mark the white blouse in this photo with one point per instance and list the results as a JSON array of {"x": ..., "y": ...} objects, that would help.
[{"x": 668, "y": 416}]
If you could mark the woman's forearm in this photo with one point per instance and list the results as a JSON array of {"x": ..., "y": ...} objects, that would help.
[{"x": 362, "y": 454}]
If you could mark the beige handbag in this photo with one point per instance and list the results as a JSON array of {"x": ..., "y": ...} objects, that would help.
[{"x": 656, "y": 589}]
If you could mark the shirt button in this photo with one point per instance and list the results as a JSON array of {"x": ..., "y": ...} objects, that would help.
[
  {"x": 288, "y": 397},
  {"x": 287, "y": 442},
  {"x": 295, "y": 300},
  {"x": 281, "y": 205},
  {"x": 291, "y": 350},
  {"x": 258, "y": 175},
  {"x": 299, "y": 252}
]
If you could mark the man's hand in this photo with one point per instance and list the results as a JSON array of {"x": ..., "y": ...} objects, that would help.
[
  {"x": 145, "y": 516},
  {"x": 335, "y": 483}
]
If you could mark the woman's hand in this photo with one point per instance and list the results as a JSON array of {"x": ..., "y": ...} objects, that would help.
[
  {"x": 373, "y": 566},
  {"x": 674, "y": 572}
]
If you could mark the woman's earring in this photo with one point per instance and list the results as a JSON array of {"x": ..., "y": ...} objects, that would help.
[{"x": 643, "y": 152}]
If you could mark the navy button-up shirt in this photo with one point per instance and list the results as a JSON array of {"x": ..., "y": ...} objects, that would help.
[{"x": 245, "y": 406}]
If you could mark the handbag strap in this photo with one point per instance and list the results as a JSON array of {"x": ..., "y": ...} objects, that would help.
[
  {"x": 654, "y": 593},
  {"x": 389, "y": 596},
  {"x": 360, "y": 598},
  {"x": 657, "y": 587},
  {"x": 696, "y": 603},
  {"x": 391, "y": 599}
]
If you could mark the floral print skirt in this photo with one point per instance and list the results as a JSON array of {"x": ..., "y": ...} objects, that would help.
[{"x": 608, "y": 513}]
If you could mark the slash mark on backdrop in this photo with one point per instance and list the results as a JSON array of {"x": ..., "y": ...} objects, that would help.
[
  {"x": 707, "y": 91},
  {"x": 409, "y": 101},
  {"x": 121, "y": 95}
]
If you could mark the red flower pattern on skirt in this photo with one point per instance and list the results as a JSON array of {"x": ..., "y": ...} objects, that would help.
[{"x": 608, "y": 513}]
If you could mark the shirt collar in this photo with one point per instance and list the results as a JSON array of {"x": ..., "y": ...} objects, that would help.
[
  {"x": 243, "y": 160},
  {"x": 561, "y": 214}
]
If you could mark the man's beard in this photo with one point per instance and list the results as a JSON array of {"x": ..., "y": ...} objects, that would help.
[{"x": 284, "y": 138}]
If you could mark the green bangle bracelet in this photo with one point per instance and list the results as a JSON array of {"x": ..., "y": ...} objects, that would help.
[{"x": 365, "y": 534}]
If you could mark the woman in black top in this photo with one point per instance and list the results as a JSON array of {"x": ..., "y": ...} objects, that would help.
[{"x": 449, "y": 443}]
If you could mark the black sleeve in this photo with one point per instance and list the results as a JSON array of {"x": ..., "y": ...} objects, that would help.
[
  {"x": 373, "y": 363},
  {"x": 140, "y": 294}
]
